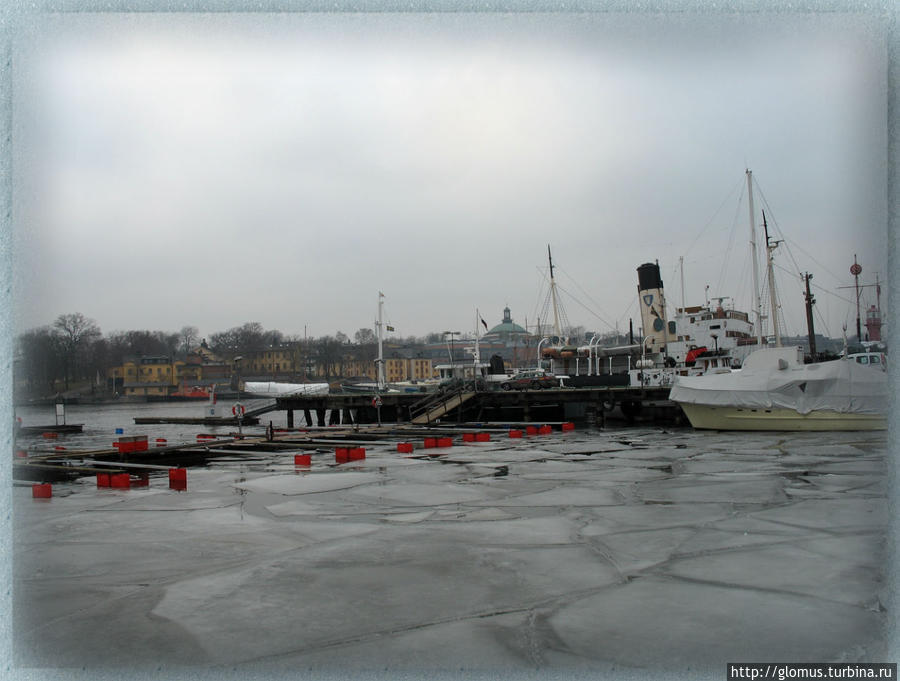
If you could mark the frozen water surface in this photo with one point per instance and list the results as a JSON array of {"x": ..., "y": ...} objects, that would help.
[{"x": 591, "y": 551}]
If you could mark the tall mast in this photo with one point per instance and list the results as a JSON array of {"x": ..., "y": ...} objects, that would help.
[
  {"x": 810, "y": 301},
  {"x": 553, "y": 296},
  {"x": 755, "y": 264},
  {"x": 378, "y": 327},
  {"x": 855, "y": 271},
  {"x": 477, "y": 350},
  {"x": 773, "y": 300}
]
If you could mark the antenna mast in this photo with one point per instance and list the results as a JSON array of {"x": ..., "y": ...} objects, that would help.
[
  {"x": 380, "y": 361},
  {"x": 773, "y": 299},
  {"x": 553, "y": 296},
  {"x": 755, "y": 267}
]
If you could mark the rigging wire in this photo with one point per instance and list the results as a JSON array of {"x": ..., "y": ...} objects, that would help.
[
  {"x": 610, "y": 326},
  {"x": 731, "y": 240},
  {"x": 710, "y": 221},
  {"x": 586, "y": 295}
]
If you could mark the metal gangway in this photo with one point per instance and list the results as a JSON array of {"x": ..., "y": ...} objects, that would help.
[{"x": 441, "y": 403}]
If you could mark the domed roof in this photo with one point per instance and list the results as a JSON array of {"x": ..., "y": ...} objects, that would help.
[{"x": 507, "y": 326}]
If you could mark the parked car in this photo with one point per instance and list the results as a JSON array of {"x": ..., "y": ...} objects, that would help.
[{"x": 534, "y": 380}]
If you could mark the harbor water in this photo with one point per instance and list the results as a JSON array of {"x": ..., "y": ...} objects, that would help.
[{"x": 620, "y": 550}]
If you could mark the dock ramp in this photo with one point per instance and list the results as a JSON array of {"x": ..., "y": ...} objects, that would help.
[
  {"x": 264, "y": 409},
  {"x": 439, "y": 405}
]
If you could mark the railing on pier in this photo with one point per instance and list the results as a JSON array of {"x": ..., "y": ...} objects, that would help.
[
  {"x": 264, "y": 409},
  {"x": 441, "y": 403}
]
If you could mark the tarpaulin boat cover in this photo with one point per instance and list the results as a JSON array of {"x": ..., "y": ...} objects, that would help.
[
  {"x": 776, "y": 377},
  {"x": 275, "y": 389}
]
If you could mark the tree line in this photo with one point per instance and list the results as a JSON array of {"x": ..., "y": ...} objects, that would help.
[{"x": 73, "y": 350}]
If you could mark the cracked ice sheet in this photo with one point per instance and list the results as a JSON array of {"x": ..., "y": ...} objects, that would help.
[
  {"x": 704, "y": 489},
  {"x": 563, "y": 495},
  {"x": 845, "y": 483},
  {"x": 491, "y": 643},
  {"x": 311, "y": 483},
  {"x": 833, "y": 569},
  {"x": 414, "y": 494},
  {"x": 627, "y": 518},
  {"x": 378, "y": 584},
  {"x": 830, "y": 514},
  {"x": 664, "y": 623},
  {"x": 595, "y": 471},
  {"x": 522, "y": 532}
]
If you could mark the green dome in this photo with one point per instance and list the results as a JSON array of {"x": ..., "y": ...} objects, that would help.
[{"x": 507, "y": 326}]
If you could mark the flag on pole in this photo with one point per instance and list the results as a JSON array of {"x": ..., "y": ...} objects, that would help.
[{"x": 485, "y": 324}]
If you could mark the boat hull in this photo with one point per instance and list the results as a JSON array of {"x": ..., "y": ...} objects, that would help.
[{"x": 706, "y": 417}]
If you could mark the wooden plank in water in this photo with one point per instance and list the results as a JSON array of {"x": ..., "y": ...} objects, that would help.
[{"x": 121, "y": 464}]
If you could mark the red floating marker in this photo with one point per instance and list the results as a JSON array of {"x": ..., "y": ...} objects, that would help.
[
  {"x": 445, "y": 442},
  {"x": 531, "y": 430},
  {"x": 43, "y": 491},
  {"x": 468, "y": 437},
  {"x": 545, "y": 430},
  {"x": 568, "y": 426},
  {"x": 515, "y": 433},
  {"x": 341, "y": 455},
  {"x": 405, "y": 447},
  {"x": 430, "y": 442},
  {"x": 178, "y": 478},
  {"x": 161, "y": 442},
  {"x": 120, "y": 480},
  {"x": 140, "y": 480},
  {"x": 302, "y": 460},
  {"x": 102, "y": 479},
  {"x": 59, "y": 448},
  {"x": 49, "y": 435},
  {"x": 482, "y": 437},
  {"x": 357, "y": 454}
]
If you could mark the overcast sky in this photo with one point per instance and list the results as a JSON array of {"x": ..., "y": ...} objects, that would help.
[{"x": 211, "y": 170}]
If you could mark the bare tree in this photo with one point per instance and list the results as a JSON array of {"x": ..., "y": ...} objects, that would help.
[
  {"x": 38, "y": 362},
  {"x": 75, "y": 332},
  {"x": 188, "y": 337},
  {"x": 364, "y": 336}
]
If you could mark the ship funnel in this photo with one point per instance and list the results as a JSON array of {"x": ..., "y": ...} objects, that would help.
[{"x": 652, "y": 301}]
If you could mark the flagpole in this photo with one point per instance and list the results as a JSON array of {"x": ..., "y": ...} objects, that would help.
[{"x": 380, "y": 360}]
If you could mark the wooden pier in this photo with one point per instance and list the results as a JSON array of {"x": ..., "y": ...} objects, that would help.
[{"x": 463, "y": 404}]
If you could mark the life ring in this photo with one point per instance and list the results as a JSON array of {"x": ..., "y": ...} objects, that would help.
[
  {"x": 376, "y": 401},
  {"x": 238, "y": 409}
]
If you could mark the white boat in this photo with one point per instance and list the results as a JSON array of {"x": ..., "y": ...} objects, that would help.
[
  {"x": 277, "y": 389},
  {"x": 775, "y": 391}
]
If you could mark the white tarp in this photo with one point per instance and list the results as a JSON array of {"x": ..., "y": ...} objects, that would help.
[
  {"x": 275, "y": 389},
  {"x": 773, "y": 378}
]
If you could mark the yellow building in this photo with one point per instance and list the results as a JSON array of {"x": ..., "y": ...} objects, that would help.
[
  {"x": 270, "y": 361},
  {"x": 150, "y": 376},
  {"x": 404, "y": 369}
]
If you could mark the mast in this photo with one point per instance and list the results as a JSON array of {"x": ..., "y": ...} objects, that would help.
[
  {"x": 856, "y": 270},
  {"x": 755, "y": 264},
  {"x": 553, "y": 296},
  {"x": 379, "y": 363},
  {"x": 773, "y": 300},
  {"x": 477, "y": 350},
  {"x": 810, "y": 301}
]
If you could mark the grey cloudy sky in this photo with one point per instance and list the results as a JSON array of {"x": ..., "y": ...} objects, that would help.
[{"x": 283, "y": 168}]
